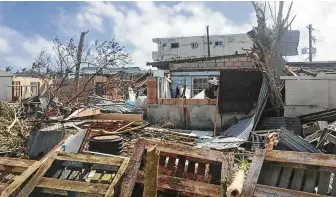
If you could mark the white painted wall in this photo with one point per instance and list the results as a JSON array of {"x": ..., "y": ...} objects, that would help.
[
  {"x": 6, "y": 80},
  {"x": 305, "y": 94},
  {"x": 230, "y": 44}
]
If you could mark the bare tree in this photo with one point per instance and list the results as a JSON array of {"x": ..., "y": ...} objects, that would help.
[
  {"x": 8, "y": 68},
  {"x": 266, "y": 39},
  {"x": 65, "y": 58}
]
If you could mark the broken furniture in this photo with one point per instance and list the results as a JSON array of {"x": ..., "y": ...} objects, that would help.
[
  {"x": 82, "y": 174},
  {"x": 183, "y": 170},
  {"x": 287, "y": 173}
]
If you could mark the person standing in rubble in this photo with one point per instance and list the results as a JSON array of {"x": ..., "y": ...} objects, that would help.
[{"x": 212, "y": 90}]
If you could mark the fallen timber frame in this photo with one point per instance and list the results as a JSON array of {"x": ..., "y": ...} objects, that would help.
[
  {"x": 287, "y": 173},
  {"x": 99, "y": 178},
  {"x": 25, "y": 167},
  {"x": 10, "y": 169},
  {"x": 185, "y": 170}
]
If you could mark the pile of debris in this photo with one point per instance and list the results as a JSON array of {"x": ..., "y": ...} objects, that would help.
[{"x": 13, "y": 131}]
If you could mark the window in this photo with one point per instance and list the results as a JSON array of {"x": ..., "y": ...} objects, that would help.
[
  {"x": 219, "y": 43},
  {"x": 175, "y": 45},
  {"x": 199, "y": 84},
  {"x": 194, "y": 45},
  {"x": 16, "y": 90},
  {"x": 34, "y": 88},
  {"x": 100, "y": 88}
]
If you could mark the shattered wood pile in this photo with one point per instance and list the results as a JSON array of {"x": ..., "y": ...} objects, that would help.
[
  {"x": 285, "y": 173},
  {"x": 11, "y": 169},
  {"x": 183, "y": 170},
  {"x": 68, "y": 173}
]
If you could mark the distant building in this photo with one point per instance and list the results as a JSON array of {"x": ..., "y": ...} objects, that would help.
[
  {"x": 6, "y": 79},
  {"x": 220, "y": 45},
  {"x": 26, "y": 84}
]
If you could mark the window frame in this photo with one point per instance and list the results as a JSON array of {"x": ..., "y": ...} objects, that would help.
[
  {"x": 219, "y": 43},
  {"x": 199, "y": 89},
  {"x": 175, "y": 43}
]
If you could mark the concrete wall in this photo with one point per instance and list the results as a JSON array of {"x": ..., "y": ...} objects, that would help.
[
  {"x": 25, "y": 82},
  {"x": 5, "y": 89},
  {"x": 196, "y": 117},
  {"x": 187, "y": 46},
  {"x": 306, "y": 94},
  {"x": 6, "y": 80},
  {"x": 230, "y": 44}
]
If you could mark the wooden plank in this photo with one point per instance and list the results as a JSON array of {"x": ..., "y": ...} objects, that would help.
[
  {"x": 65, "y": 174},
  {"x": 15, "y": 162},
  {"x": 193, "y": 188},
  {"x": 317, "y": 159},
  {"x": 37, "y": 176},
  {"x": 74, "y": 175},
  {"x": 90, "y": 176},
  {"x": 132, "y": 170},
  {"x": 76, "y": 186},
  {"x": 298, "y": 178},
  {"x": 26, "y": 174},
  {"x": 269, "y": 191},
  {"x": 323, "y": 184},
  {"x": 107, "y": 178},
  {"x": 310, "y": 183},
  {"x": 120, "y": 173},
  {"x": 96, "y": 177},
  {"x": 151, "y": 172},
  {"x": 202, "y": 155},
  {"x": 116, "y": 116},
  {"x": 265, "y": 174},
  {"x": 12, "y": 169},
  {"x": 3, "y": 186},
  {"x": 333, "y": 189},
  {"x": 274, "y": 175},
  {"x": 86, "y": 158},
  {"x": 253, "y": 173},
  {"x": 284, "y": 180},
  {"x": 227, "y": 166}
]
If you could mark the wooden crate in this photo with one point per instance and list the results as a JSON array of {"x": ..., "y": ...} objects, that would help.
[
  {"x": 76, "y": 174},
  {"x": 183, "y": 170},
  {"x": 289, "y": 173}
]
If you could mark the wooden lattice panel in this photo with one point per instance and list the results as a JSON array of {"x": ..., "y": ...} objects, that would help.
[
  {"x": 183, "y": 170},
  {"x": 10, "y": 169},
  {"x": 288, "y": 173},
  {"x": 77, "y": 174}
]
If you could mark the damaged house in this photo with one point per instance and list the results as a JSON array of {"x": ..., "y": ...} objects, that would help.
[{"x": 243, "y": 90}]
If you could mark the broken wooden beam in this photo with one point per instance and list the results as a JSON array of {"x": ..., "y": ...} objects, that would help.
[{"x": 151, "y": 172}]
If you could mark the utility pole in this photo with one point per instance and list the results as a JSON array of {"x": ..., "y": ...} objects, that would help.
[
  {"x": 310, "y": 43},
  {"x": 208, "y": 41},
  {"x": 79, "y": 57}
]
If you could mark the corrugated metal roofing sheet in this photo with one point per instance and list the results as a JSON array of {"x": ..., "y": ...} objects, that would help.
[
  {"x": 292, "y": 142},
  {"x": 328, "y": 115},
  {"x": 240, "y": 132},
  {"x": 290, "y": 123}
]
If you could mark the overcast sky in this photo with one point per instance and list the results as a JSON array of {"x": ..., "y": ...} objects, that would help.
[{"x": 26, "y": 27}]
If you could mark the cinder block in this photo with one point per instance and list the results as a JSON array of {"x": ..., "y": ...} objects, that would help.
[
  {"x": 192, "y": 101},
  {"x": 243, "y": 59},
  {"x": 234, "y": 59}
]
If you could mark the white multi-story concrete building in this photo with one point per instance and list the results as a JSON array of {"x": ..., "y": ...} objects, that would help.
[{"x": 220, "y": 45}]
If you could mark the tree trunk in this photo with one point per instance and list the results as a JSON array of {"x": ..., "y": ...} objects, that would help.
[{"x": 79, "y": 59}]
